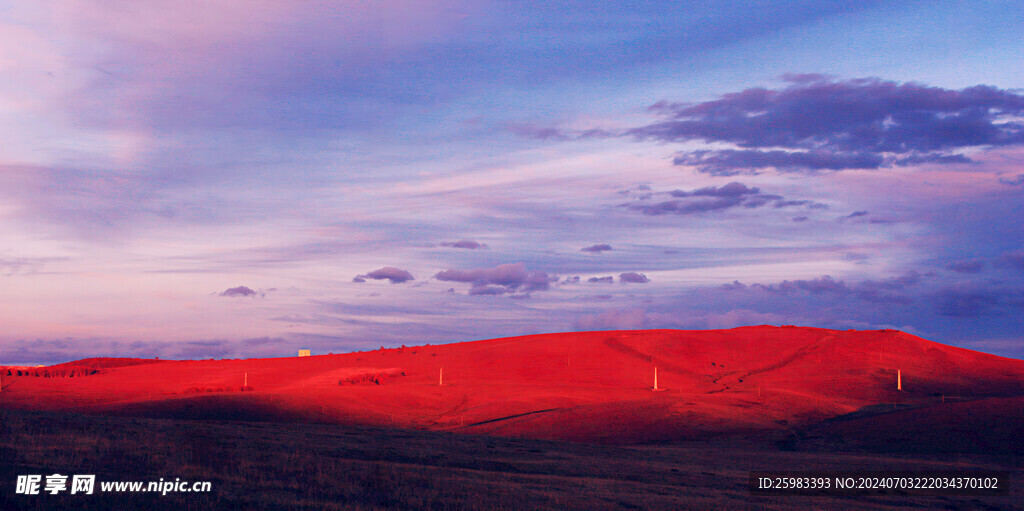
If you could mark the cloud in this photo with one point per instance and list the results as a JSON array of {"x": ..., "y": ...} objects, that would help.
[
  {"x": 710, "y": 198},
  {"x": 698, "y": 201},
  {"x": 628, "y": 319},
  {"x": 633, "y": 278},
  {"x": 53, "y": 351},
  {"x": 820, "y": 124},
  {"x": 892, "y": 290},
  {"x": 728, "y": 162},
  {"x": 598, "y": 248},
  {"x": 468, "y": 244},
  {"x": 25, "y": 265},
  {"x": 601, "y": 280},
  {"x": 537, "y": 132},
  {"x": 1015, "y": 259},
  {"x": 1013, "y": 181},
  {"x": 508, "y": 278},
  {"x": 733, "y": 189},
  {"x": 970, "y": 301},
  {"x": 637, "y": 318},
  {"x": 390, "y": 273},
  {"x": 974, "y": 266},
  {"x": 239, "y": 291}
]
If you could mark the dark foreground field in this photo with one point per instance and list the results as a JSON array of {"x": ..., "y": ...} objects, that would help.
[{"x": 257, "y": 465}]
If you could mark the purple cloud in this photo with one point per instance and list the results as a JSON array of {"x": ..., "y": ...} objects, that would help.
[
  {"x": 733, "y": 189},
  {"x": 538, "y": 132},
  {"x": 505, "y": 278},
  {"x": 819, "y": 124},
  {"x": 239, "y": 291},
  {"x": 968, "y": 302},
  {"x": 633, "y": 278},
  {"x": 1013, "y": 181},
  {"x": 710, "y": 198},
  {"x": 974, "y": 266},
  {"x": 728, "y": 162},
  {"x": 601, "y": 280},
  {"x": 467, "y": 244},
  {"x": 616, "y": 319},
  {"x": 598, "y": 248},
  {"x": 1015, "y": 259},
  {"x": 390, "y": 273},
  {"x": 893, "y": 290}
]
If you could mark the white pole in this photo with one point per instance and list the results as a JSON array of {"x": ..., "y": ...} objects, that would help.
[
  {"x": 440, "y": 377},
  {"x": 655, "y": 378},
  {"x": 246, "y": 384},
  {"x": 899, "y": 380}
]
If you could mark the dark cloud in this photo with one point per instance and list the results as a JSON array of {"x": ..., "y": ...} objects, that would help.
[
  {"x": 710, "y": 198},
  {"x": 1015, "y": 259},
  {"x": 538, "y": 132},
  {"x": 390, "y": 273},
  {"x": 966, "y": 266},
  {"x": 1013, "y": 181},
  {"x": 505, "y": 278},
  {"x": 601, "y": 280},
  {"x": 893, "y": 290},
  {"x": 239, "y": 291},
  {"x": 733, "y": 189},
  {"x": 861, "y": 217},
  {"x": 970, "y": 301},
  {"x": 820, "y": 124},
  {"x": 729, "y": 162},
  {"x": 633, "y": 278},
  {"x": 601, "y": 247},
  {"x": 468, "y": 244},
  {"x": 823, "y": 284},
  {"x": 810, "y": 204}
]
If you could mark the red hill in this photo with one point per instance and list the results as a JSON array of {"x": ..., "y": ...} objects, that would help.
[{"x": 586, "y": 386}]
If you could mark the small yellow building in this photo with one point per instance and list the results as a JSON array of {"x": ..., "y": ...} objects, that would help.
[{"x": 304, "y": 353}]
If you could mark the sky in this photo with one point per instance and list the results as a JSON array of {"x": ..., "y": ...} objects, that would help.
[{"x": 188, "y": 179}]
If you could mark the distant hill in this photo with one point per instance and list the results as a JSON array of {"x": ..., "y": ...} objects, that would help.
[{"x": 765, "y": 382}]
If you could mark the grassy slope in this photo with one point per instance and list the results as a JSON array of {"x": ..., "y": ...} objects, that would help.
[{"x": 589, "y": 386}]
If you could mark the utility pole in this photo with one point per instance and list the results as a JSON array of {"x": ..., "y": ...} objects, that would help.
[{"x": 656, "y": 388}]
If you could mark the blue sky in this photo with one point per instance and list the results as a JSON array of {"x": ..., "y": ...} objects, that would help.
[{"x": 244, "y": 179}]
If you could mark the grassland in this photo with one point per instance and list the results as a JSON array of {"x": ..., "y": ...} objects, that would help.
[{"x": 265, "y": 465}]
